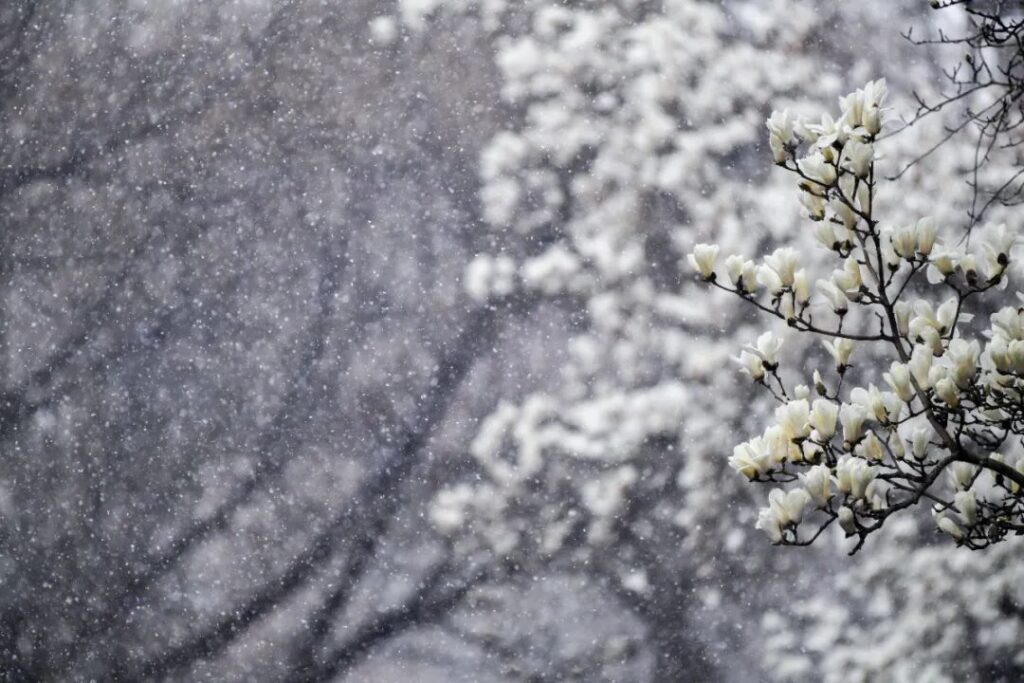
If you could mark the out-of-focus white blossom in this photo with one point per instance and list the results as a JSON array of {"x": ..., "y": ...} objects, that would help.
[{"x": 490, "y": 276}]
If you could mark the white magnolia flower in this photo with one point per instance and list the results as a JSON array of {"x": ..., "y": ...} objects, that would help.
[
  {"x": 902, "y": 311},
  {"x": 742, "y": 273},
  {"x": 872, "y": 401},
  {"x": 948, "y": 526},
  {"x": 847, "y": 521},
  {"x": 788, "y": 506},
  {"x": 1000, "y": 241},
  {"x": 781, "y": 125},
  {"x": 873, "y": 96},
  {"x": 858, "y": 157},
  {"x": 870, "y": 448},
  {"x": 1015, "y": 355},
  {"x": 794, "y": 419},
  {"x": 780, "y": 446},
  {"x": 767, "y": 347},
  {"x": 768, "y": 523},
  {"x": 770, "y": 280},
  {"x": 946, "y": 390},
  {"x": 780, "y": 133},
  {"x": 823, "y": 417},
  {"x": 734, "y": 268},
  {"x": 849, "y": 279},
  {"x": 787, "y": 307},
  {"x": 823, "y": 135},
  {"x": 801, "y": 288},
  {"x": 835, "y": 297},
  {"x": 845, "y": 214},
  {"x": 819, "y": 384},
  {"x": 825, "y": 233},
  {"x": 840, "y": 350},
  {"x": 941, "y": 266},
  {"x": 752, "y": 458},
  {"x": 967, "y": 506},
  {"x": 853, "y": 418},
  {"x": 930, "y": 337},
  {"x": 813, "y": 205},
  {"x": 925, "y": 235},
  {"x": 962, "y": 358},
  {"x": 817, "y": 482},
  {"x": 940, "y": 319},
  {"x": 893, "y": 406},
  {"x": 961, "y": 475},
  {"x": 904, "y": 241},
  {"x": 784, "y": 261},
  {"x": 817, "y": 169},
  {"x": 919, "y": 365},
  {"x": 752, "y": 364},
  {"x": 1009, "y": 322},
  {"x": 811, "y": 451},
  {"x": 896, "y": 445},
  {"x": 898, "y": 378},
  {"x": 855, "y": 477},
  {"x": 968, "y": 264},
  {"x": 703, "y": 258},
  {"x": 778, "y": 148},
  {"x": 920, "y": 440},
  {"x": 993, "y": 266}
]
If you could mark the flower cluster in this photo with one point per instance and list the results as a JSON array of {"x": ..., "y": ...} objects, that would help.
[{"x": 948, "y": 402}]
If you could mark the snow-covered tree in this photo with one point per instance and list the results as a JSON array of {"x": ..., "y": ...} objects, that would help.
[
  {"x": 640, "y": 127},
  {"x": 952, "y": 406}
]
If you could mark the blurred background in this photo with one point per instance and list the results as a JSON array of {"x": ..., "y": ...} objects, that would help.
[{"x": 352, "y": 340}]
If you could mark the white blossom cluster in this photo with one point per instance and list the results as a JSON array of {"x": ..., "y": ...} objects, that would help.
[
  {"x": 639, "y": 121},
  {"x": 950, "y": 401},
  {"x": 907, "y": 612}
]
